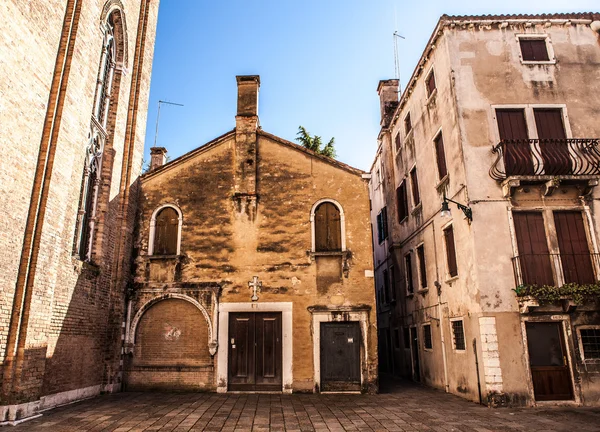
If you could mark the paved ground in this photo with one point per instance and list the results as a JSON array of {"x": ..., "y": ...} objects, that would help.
[{"x": 406, "y": 407}]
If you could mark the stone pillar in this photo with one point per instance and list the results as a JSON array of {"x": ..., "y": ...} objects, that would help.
[
  {"x": 388, "y": 99},
  {"x": 158, "y": 157}
]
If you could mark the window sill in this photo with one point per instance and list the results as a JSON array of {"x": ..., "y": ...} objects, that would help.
[
  {"x": 417, "y": 209},
  {"x": 404, "y": 219},
  {"x": 410, "y": 294},
  {"x": 535, "y": 62},
  {"x": 442, "y": 183},
  {"x": 163, "y": 257},
  {"x": 452, "y": 279},
  {"x": 329, "y": 253},
  {"x": 423, "y": 291},
  {"x": 457, "y": 351}
]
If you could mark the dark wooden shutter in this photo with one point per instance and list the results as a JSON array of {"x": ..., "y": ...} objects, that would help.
[
  {"x": 414, "y": 184},
  {"x": 450, "y": 251},
  {"x": 574, "y": 250},
  {"x": 409, "y": 275},
  {"x": 407, "y": 124},
  {"x": 517, "y": 151},
  {"x": 440, "y": 156},
  {"x": 386, "y": 287},
  {"x": 430, "y": 83},
  {"x": 533, "y": 261},
  {"x": 422, "y": 266},
  {"x": 534, "y": 49},
  {"x": 402, "y": 202},
  {"x": 398, "y": 141},
  {"x": 166, "y": 232},
  {"x": 328, "y": 229},
  {"x": 553, "y": 145}
]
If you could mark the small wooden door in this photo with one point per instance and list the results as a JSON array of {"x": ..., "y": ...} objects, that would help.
[
  {"x": 533, "y": 261},
  {"x": 548, "y": 361},
  {"x": 340, "y": 356},
  {"x": 414, "y": 349},
  {"x": 574, "y": 250},
  {"x": 517, "y": 154},
  {"x": 554, "y": 148},
  {"x": 255, "y": 349}
]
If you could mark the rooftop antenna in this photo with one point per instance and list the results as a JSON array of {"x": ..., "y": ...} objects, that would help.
[
  {"x": 158, "y": 117},
  {"x": 396, "y": 56}
]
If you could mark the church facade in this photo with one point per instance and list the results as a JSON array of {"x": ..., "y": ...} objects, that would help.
[{"x": 253, "y": 268}]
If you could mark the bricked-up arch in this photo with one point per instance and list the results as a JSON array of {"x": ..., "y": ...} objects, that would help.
[
  {"x": 169, "y": 296},
  {"x": 328, "y": 226},
  {"x": 100, "y": 138},
  {"x": 165, "y": 231}
]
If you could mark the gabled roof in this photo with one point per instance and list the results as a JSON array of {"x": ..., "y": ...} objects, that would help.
[{"x": 231, "y": 134}]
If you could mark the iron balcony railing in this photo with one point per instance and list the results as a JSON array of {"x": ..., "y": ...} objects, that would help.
[
  {"x": 556, "y": 269},
  {"x": 551, "y": 157}
]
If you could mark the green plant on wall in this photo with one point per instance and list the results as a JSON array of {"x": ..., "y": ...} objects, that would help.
[{"x": 545, "y": 294}]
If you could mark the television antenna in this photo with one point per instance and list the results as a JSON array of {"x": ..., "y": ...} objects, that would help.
[{"x": 158, "y": 117}]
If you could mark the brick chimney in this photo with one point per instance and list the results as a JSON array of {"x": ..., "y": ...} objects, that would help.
[
  {"x": 246, "y": 124},
  {"x": 388, "y": 100},
  {"x": 158, "y": 157}
]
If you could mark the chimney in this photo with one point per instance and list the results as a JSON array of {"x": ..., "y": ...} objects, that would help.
[
  {"x": 388, "y": 100},
  {"x": 246, "y": 145},
  {"x": 158, "y": 157}
]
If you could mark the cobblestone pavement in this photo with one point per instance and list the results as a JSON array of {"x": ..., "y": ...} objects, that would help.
[{"x": 406, "y": 407}]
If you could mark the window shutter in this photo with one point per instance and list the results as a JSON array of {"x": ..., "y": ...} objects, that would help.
[
  {"x": 407, "y": 124},
  {"x": 414, "y": 184},
  {"x": 409, "y": 276},
  {"x": 440, "y": 157},
  {"x": 534, "y": 257},
  {"x": 450, "y": 251},
  {"x": 166, "y": 232},
  {"x": 328, "y": 228},
  {"x": 422, "y": 266},
  {"x": 430, "y": 83},
  {"x": 574, "y": 250},
  {"x": 534, "y": 49},
  {"x": 398, "y": 141},
  {"x": 402, "y": 202}
]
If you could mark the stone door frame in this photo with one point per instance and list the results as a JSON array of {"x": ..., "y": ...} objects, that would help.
[{"x": 223, "y": 337}]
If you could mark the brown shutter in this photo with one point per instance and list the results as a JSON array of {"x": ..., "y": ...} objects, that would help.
[
  {"x": 450, "y": 251},
  {"x": 533, "y": 261},
  {"x": 422, "y": 266},
  {"x": 398, "y": 141},
  {"x": 430, "y": 83},
  {"x": 574, "y": 250},
  {"x": 409, "y": 276},
  {"x": 414, "y": 184},
  {"x": 440, "y": 157},
  {"x": 517, "y": 154},
  {"x": 554, "y": 148},
  {"x": 407, "y": 124},
  {"x": 328, "y": 231},
  {"x": 534, "y": 49},
  {"x": 402, "y": 201},
  {"x": 166, "y": 232}
]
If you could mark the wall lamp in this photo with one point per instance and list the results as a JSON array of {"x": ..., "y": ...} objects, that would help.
[{"x": 465, "y": 209}]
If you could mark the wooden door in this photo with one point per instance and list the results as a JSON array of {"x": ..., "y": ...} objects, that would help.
[
  {"x": 533, "y": 261},
  {"x": 553, "y": 145},
  {"x": 255, "y": 349},
  {"x": 574, "y": 250},
  {"x": 517, "y": 151},
  {"x": 548, "y": 361},
  {"x": 414, "y": 349},
  {"x": 340, "y": 356}
]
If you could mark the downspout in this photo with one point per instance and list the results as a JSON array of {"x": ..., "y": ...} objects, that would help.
[{"x": 438, "y": 287}]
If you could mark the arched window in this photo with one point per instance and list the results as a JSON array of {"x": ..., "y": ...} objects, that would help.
[
  {"x": 97, "y": 138},
  {"x": 165, "y": 231},
  {"x": 328, "y": 229}
]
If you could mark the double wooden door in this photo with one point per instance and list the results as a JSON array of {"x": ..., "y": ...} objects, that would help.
[
  {"x": 255, "y": 351},
  {"x": 340, "y": 356},
  {"x": 548, "y": 361}
]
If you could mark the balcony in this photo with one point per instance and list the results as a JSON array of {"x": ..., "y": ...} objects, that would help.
[{"x": 544, "y": 159}]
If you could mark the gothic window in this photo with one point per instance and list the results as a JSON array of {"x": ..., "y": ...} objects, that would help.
[
  {"x": 97, "y": 137},
  {"x": 165, "y": 231}
]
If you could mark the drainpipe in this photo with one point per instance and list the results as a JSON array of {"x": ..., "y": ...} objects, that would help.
[{"x": 438, "y": 287}]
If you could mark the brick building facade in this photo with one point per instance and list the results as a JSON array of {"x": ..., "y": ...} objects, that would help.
[
  {"x": 500, "y": 116},
  {"x": 253, "y": 262},
  {"x": 74, "y": 88}
]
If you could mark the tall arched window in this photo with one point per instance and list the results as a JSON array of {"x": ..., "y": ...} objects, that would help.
[
  {"x": 165, "y": 231},
  {"x": 327, "y": 227},
  {"x": 96, "y": 140}
]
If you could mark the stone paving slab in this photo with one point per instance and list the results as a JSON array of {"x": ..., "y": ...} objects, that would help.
[{"x": 405, "y": 407}]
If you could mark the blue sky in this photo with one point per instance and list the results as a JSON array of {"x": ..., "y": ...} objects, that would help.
[{"x": 319, "y": 61}]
